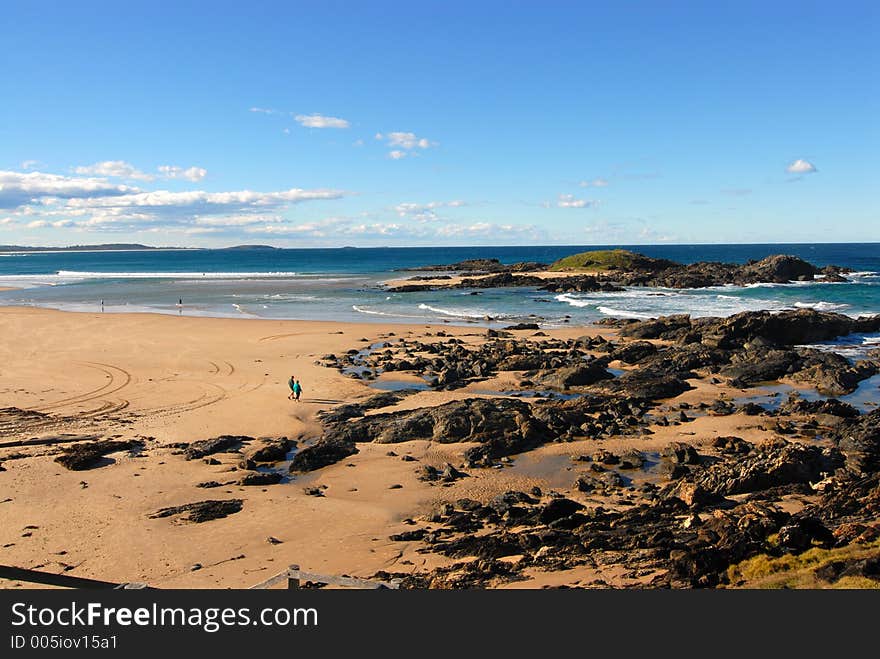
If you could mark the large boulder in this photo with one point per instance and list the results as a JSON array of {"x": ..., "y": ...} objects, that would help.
[
  {"x": 780, "y": 269},
  {"x": 325, "y": 451},
  {"x": 204, "y": 447},
  {"x": 91, "y": 454},
  {"x": 785, "y": 328},
  {"x": 646, "y": 384},
  {"x": 859, "y": 441},
  {"x": 269, "y": 450},
  {"x": 769, "y": 465},
  {"x": 576, "y": 376}
]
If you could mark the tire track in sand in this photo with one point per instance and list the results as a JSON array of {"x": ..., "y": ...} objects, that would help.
[{"x": 119, "y": 379}]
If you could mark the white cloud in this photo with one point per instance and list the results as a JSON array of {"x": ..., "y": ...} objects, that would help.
[
  {"x": 18, "y": 189},
  {"x": 320, "y": 121},
  {"x": 114, "y": 168},
  {"x": 404, "y": 144},
  {"x": 569, "y": 201},
  {"x": 425, "y": 212},
  {"x": 264, "y": 111},
  {"x": 357, "y": 143},
  {"x": 330, "y": 230},
  {"x": 801, "y": 166},
  {"x": 49, "y": 200},
  {"x": 30, "y": 164},
  {"x": 204, "y": 201},
  {"x": 193, "y": 174},
  {"x": 122, "y": 169},
  {"x": 595, "y": 183},
  {"x": 407, "y": 140},
  {"x": 237, "y": 220}
]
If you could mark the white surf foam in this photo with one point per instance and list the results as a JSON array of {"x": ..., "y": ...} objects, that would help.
[
  {"x": 373, "y": 312},
  {"x": 821, "y": 306},
  {"x": 462, "y": 313},
  {"x": 611, "y": 311},
  {"x": 76, "y": 274},
  {"x": 573, "y": 301}
]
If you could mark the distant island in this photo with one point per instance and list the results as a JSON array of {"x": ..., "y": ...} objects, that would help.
[
  {"x": 244, "y": 248},
  {"x": 106, "y": 247}
]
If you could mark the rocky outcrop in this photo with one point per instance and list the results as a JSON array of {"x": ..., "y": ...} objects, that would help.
[
  {"x": 325, "y": 451},
  {"x": 201, "y": 511},
  {"x": 646, "y": 384},
  {"x": 752, "y": 328},
  {"x": 204, "y": 447},
  {"x": 769, "y": 465},
  {"x": 481, "y": 265},
  {"x": 618, "y": 268},
  {"x": 578, "y": 375},
  {"x": 472, "y": 420},
  {"x": 261, "y": 478},
  {"x": 500, "y": 427},
  {"x": 269, "y": 450},
  {"x": 450, "y": 364},
  {"x": 354, "y": 410},
  {"x": 859, "y": 441},
  {"x": 91, "y": 454}
]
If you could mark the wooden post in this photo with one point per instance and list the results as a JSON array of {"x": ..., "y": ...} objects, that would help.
[{"x": 293, "y": 581}]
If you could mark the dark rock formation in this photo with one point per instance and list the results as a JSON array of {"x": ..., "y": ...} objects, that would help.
[
  {"x": 270, "y": 450},
  {"x": 578, "y": 375},
  {"x": 448, "y": 474},
  {"x": 87, "y": 455},
  {"x": 326, "y": 451},
  {"x": 261, "y": 478},
  {"x": 785, "y": 328},
  {"x": 859, "y": 441},
  {"x": 680, "y": 453},
  {"x": 768, "y": 465},
  {"x": 646, "y": 384},
  {"x": 202, "y": 511},
  {"x": 354, "y": 410},
  {"x": 481, "y": 265},
  {"x": 205, "y": 447}
]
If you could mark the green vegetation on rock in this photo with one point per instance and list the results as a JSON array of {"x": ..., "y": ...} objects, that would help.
[
  {"x": 811, "y": 569},
  {"x": 611, "y": 259}
]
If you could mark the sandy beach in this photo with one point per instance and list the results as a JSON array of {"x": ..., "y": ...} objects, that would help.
[{"x": 165, "y": 380}]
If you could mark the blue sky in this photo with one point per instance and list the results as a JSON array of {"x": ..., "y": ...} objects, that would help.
[{"x": 340, "y": 123}]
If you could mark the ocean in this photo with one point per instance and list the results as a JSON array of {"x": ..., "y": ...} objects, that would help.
[{"x": 345, "y": 284}]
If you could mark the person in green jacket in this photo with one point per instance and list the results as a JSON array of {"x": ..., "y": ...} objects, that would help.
[{"x": 297, "y": 390}]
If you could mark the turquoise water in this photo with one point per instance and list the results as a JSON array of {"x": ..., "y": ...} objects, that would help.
[{"x": 346, "y": 284}]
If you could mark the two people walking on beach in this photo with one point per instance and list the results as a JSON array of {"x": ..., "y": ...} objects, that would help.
[{"x": 295, "y": 388}]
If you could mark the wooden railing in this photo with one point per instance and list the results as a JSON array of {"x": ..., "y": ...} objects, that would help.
[
  {"x": 62, "y": 580},
  {"x": 294, "y": 576}
]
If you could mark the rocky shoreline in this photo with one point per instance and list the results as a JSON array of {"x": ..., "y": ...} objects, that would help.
[
  {"x": 628, "y": 269},
  {"x": 702, "y": 514},
  {"x": 657, "y": 453}
]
